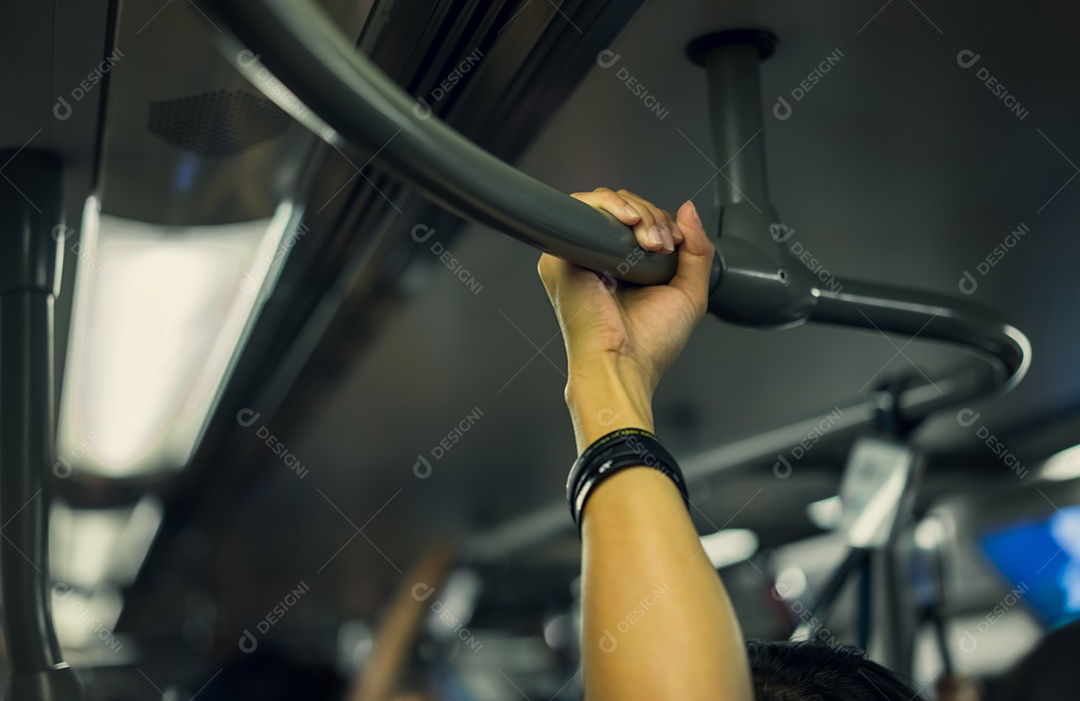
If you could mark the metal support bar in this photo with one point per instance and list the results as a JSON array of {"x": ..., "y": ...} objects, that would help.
[
  {"x": 731, "y": 60},
  {"x": 891, "y": 615},
  {"x": 878, "y": 494},
  {"x": 864, "y": 609},
  {"x": 928, "y": 585},
  {"x": 532, "y": 529},
  {"x": 928, "y": 316},
  {"x": 30, "y": 209},
  {"x": 854, "y": 562},
  {"x": 350, "y": 100},
  {"x": 758, "y": 284},
  {"x": 355, "y": 104},
  {"x": 754, "y": 282}
]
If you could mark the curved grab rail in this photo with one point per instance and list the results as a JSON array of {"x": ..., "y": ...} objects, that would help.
[
  {"x": 924, "y": 314},
  {"x": 299, "y": 44},
  {"x": 754, "y": 281}
]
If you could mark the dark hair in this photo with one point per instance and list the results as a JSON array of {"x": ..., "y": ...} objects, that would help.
[{"x": 814, "y": 671}]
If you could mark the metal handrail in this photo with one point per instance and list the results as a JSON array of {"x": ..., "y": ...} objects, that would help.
[
  {"x": 348, "y": 100},
  {"x": 934, "y": 316},
  {"x": 31, "y": 212},
  {"x": 352, "y": 102},
  {"x": 755, "y": 281}
]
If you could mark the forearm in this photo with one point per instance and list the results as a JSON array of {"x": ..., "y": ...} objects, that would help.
[
  {"x": 603, "y": 397},
  {"x": 396, "y": 637},
  {"x": 657, "y": 622}
]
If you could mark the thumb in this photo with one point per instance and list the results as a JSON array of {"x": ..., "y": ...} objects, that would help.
[{"x": 695, "y": 255}]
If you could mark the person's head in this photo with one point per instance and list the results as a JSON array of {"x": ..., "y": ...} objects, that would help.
[{"x": 811, "y": 671}]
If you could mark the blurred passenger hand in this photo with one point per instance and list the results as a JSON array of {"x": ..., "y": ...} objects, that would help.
[
  {"x": 619, "y": 342},
  {"x": 951, "y": 688}
]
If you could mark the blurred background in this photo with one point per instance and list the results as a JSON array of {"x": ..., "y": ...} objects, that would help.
[{"x": 292, "y": 390}]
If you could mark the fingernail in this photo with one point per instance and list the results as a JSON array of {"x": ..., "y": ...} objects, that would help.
[
  {"x": 655, "y": 236},
  {"x": 629, "y": 211},
  {"x": 669, "y": 242},
  {"x": 696, "y": 215}
]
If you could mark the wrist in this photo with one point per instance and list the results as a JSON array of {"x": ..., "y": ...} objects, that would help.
[{"x": 604, "y": 397}]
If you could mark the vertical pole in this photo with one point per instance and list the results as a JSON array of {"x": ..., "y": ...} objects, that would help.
[
  {"x": 757, "y": 283},
  {"x": 893, "y": 611},
  {"x": 732, "y": 61},
  {"x": 30, "y": 212},
  {"x": 735, "y": 108},
  {"x": 892, "y": 629}
]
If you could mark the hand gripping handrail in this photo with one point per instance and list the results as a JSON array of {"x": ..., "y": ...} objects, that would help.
[{"x": 755, "y": 280}]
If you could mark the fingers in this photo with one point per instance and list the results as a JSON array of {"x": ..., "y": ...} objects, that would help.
[
  {"x": 695, "y": 257},
  {"x": 627, "y": 212},
  {"x": 676, "y": 232},
  {"x": 654, "y": 228},
  {"x": 610, "y": 202},
  {"x": 659, "y": 223}
]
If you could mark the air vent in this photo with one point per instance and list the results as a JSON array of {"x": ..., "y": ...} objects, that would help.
[{"x": 217, "y": 124}]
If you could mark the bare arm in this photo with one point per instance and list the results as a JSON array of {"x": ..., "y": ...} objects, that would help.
[
  {"x": 658, "y": 622},
  {"x": 396, "y": 637}
]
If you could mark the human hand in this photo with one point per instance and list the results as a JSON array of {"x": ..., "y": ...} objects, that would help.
[
  {"x": 950, "y": 688},
  {"x": 619, "y": 342}
]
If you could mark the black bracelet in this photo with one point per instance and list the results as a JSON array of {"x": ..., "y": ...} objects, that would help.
[{"x": 626, "y": 447}]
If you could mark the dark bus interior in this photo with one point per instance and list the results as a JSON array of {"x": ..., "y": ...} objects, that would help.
[{"x": 263, "y": 359}]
